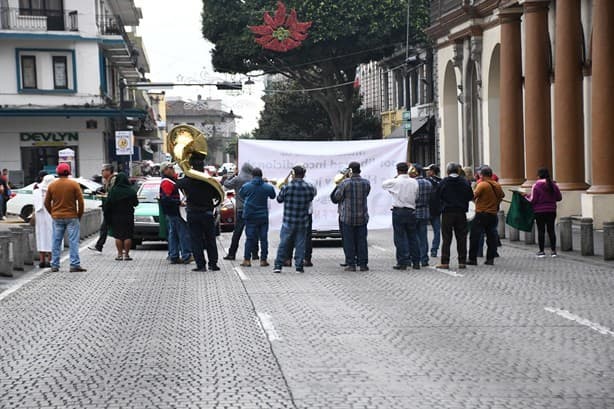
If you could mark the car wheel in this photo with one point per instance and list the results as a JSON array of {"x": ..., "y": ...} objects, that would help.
[{"x": 26, "y": 213}]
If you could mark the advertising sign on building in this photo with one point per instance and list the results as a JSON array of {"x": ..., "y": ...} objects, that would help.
[{"x": 124, "y": 143}]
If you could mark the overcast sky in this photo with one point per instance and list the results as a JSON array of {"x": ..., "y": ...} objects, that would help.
[{"x": 177, "y": 51}]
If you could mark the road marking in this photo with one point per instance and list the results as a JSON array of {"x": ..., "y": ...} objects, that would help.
[
  {"x": 241, "y": 274},
  {"x": 582, "y": 321},
  {"x": 267, "y": 325},
  {"x": 35, "y": 274},
  {"x": 379, "y": 248},
  {"x": 448, "y": 272}
]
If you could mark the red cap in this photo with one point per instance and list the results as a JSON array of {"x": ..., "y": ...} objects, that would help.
[{"x": 63, "y": 169}]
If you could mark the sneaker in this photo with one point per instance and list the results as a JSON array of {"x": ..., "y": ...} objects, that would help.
[
  {"x": 553, "y": 254},
  {"x": 264, "y": 263},
  {"x": 277, "y": 270},
  {"x": 300, "y": 270},
  {"x": 188, "y": 261},
  {"x": 199, "y": 269},
  {"x": 425, "y": 264},
  {"x": 175, "y": 261},
  {"x": 364, "y": 268},
  {"x": 416, "y": 266},
  {"x": 214, "y": 267},
  {"x": 77, "y": 269},
  {"x": 443, "y": 266},
  {"x": 229, "y": 257},
  {"x": 399, "y": 267},
  {"x": 55, "y": 269},
  {"x": 540, "y": 254},
  {"x": 472, "y": 262},
  {"x": 350, "y": 268},
  {"x": 94, "y": 248},
  {"x": 434, "y": 255},
  {"x": 490, "y": 262}
]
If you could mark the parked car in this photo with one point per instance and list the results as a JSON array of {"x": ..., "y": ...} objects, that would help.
[
  {"x": 148, "y": 225},
  {"x": 227, "y": 212},
  {"x": 227, "y": 168},
  {"x": 22, "y": 202}
]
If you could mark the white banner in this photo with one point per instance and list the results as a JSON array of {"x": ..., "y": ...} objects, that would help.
[
  {"x": 124, "y": 143},
  {"x": 323, "y": 161}
]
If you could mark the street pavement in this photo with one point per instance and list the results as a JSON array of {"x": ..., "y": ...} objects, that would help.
[{"x": 526, "y": 333}]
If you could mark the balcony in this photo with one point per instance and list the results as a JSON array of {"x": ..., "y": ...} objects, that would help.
[
  {"x": 111, "y": 25},
  {"x": 38, "y": 20}
]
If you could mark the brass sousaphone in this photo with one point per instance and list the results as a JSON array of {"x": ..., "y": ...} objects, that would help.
[{"x": 182, "y": 142}]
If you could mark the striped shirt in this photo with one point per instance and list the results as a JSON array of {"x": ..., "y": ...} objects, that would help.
[{"x": 352, "y": 196}]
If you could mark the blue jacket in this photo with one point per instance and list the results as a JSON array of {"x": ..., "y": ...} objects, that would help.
[{"x": 255, "y": 195}]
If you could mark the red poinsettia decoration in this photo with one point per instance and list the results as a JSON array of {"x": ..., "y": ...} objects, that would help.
[{"x": 283, "y": 32}]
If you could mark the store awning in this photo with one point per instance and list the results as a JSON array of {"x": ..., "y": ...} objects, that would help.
[{"x": 79, "y": 112}]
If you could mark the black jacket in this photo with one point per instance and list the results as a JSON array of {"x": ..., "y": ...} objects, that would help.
[{"x": 455, "y": 193}]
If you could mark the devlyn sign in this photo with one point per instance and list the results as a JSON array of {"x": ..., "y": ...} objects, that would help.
[{"x": 49, "y": 138}]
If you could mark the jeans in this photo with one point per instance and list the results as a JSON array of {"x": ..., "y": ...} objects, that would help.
[
  {"x": 256, "y": 230},
  {"x": 423, "y": 240},
  {"x": 60, "y": 226},
  {"x": 236, "y": 236},
  {"x": 436, "y": 224},
  {"x": 456, "y": 223},
  {"x": 546, "y": 221},
  {"x": 355, "y": 245},
  {"x": 291, "y": 234},
  {"x": 483, "y": 223},
  {"x": 1, "y": 205},
  {"x": 483, "y": 235},
  {"x": 102, "y": 238},
  {"x": 405, "y": 232},
  {"x": 308, "y": 242},
  {"x": 178, "y": 238},
  {"x": 202, "y": 236}
]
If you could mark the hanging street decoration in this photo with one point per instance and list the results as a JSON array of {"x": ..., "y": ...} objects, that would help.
[{"x": 281, "y": 33}]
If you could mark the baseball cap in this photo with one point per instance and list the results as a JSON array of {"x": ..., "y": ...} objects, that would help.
[{"x": 63, "y": 169}]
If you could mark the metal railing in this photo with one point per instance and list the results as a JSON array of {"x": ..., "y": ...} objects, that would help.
[
  {"x": 110, "y": 25},
  {"x": 38, "y": 20}
]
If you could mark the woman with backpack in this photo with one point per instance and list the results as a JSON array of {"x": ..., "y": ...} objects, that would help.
[{"x": 544, "y": 196}]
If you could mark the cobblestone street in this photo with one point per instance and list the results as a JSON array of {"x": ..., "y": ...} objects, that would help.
[{"x": 526, "y": 333}]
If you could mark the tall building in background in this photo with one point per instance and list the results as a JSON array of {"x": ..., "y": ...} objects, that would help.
[{"x": 66, "y": 67}]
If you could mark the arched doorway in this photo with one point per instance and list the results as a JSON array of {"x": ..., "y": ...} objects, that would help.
[
  {"x": 493, "y": 133},
  {"x": 449, "y": 141}
]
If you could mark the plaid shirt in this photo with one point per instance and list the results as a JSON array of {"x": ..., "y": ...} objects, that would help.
[
  {"x": 297, "y": 197},
  {"x": 352, "y": 197},
  {"x": 423, "y": 200}
]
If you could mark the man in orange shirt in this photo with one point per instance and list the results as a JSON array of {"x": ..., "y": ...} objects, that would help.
[
  {"x": 64, "y": 201},
  {"x": 487, "y": 196}
]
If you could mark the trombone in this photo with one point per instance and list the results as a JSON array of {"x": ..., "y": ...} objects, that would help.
[{"x": 283, "y": 182}]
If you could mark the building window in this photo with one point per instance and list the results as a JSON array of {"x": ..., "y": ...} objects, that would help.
[
  {"x": 28, "y": 72},
  {"x": 60, "y": 72}
]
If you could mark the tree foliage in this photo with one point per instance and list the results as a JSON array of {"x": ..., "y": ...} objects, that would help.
[
  {"x": 290, "y": 115},
  {"x": 344, "y": 34}
]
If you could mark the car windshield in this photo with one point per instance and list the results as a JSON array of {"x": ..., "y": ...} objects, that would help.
[{"x": 149, "y": 192}]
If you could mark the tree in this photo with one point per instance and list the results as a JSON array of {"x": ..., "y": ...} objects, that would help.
[
  {"x": 344, "y": 34},
  {"x": 290, "y": 114}
]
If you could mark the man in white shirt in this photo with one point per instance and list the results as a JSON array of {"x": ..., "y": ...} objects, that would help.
[{"x": 404, "y": 191}]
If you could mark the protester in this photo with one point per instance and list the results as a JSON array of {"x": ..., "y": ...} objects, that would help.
[
  {"x": 296, "y": 197},
  {"x": 455, "y": 194},
  {"x": 432, "y": 175},
  {"x": 352, "y": 195},
  {"x": 236, "y": 183},
  {"x": 488, "y": 196},
  {"x": 43, "y": 223},
  {"x": 179, "y": 246},
  {"x": 200, "y": 197},
  {"x": 423, "y": 214},
  {"x": 119, "y": 214},
  {"x": 307, "y": 262},
  {"x": 495, "y": 178},
  {"x": 544, "y": 195},
  {"x": 64, "y": 201},
  {"x": 255, "y": 195},
  {"x": 108, "y": 178},
  {"x": 404, "y": 191}
]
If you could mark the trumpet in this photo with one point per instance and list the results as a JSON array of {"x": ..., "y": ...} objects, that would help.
[
  {"x": 284, "y": 181},
  {"x": 342, "y": 175}
]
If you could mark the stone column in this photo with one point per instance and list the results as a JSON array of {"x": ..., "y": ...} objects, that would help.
[
  {"x": 568, "y": 107},
  {"x": 512, "y": 144},
  {"x": 537, "y": 131},
  {"x": 603, "y": 96}
]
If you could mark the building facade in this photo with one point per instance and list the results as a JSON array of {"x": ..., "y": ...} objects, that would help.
[
  {"x": 207, "y": 115},
  {"x": 525, "y": 84},
  {"x": 65, "y": 70},
  {"x": 399, "y": 89}
]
